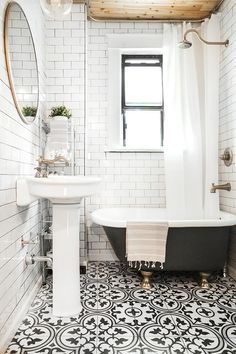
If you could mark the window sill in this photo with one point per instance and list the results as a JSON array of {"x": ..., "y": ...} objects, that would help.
[{"x": 123, "y": 149}]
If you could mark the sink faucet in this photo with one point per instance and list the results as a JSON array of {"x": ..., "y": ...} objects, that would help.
[
  {"x": 47, "y": 162},
  {"x": 41, "y": 172},
  {"x": 226, "y": 187}
]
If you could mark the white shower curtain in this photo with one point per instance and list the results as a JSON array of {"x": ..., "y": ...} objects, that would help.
[{"x": 191, "y": 80}]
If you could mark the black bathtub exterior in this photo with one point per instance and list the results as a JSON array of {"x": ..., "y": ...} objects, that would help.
[{"x": 188, "y": 248}]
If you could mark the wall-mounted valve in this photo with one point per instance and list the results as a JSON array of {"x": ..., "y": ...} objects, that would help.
[{"x": 227, "y": 157}]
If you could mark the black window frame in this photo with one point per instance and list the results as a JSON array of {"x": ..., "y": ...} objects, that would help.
[{"x": 124, "y": 107}]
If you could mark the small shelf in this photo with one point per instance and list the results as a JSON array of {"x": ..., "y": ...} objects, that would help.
[{"x": 69, "y": 154}]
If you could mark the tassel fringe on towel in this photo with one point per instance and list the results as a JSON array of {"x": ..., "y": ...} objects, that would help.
[{"x": 149, "y": 264}]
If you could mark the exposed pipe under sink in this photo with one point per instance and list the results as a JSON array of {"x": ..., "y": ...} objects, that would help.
[{"x": 32, "y": 259}]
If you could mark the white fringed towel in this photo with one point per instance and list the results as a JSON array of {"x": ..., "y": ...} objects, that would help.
[{"x": 146, "y": 241}]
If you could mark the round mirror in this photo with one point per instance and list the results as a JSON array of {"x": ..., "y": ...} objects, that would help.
[{"x": 21, "y": 62}]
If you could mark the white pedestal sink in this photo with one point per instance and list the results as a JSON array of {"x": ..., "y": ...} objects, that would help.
[{"x": 65, "y": 193}]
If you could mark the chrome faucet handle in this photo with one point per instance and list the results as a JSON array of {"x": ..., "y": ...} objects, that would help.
[
  {"x": 38, "y": 172},
  {"x": 41, "y": 172},
  {"x": 44, "y": 173}
]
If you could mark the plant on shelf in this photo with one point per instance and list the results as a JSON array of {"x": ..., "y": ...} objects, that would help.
[
  {"x": 60, "y": 112},
  {"x": 28, "y": 111}
]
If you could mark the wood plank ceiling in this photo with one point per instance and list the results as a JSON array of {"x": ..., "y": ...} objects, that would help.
[{"x": 147, "y": 10}]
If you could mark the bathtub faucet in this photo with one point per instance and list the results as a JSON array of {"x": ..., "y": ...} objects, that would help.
[{"x": 225, "y": 187}]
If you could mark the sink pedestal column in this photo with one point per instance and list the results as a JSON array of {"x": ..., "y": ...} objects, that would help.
[{"x": 66, "y": 265}]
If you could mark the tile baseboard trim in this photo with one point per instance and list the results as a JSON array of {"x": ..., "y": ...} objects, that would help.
[{"x": 17, "y": 316}]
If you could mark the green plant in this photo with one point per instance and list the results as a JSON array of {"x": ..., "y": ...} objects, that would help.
[
  {"x": 28, "y": 111},
  {"x": 60, "y": 111}
]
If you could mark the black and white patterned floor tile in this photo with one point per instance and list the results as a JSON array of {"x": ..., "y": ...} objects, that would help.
[{"x": 118, "y": 317}]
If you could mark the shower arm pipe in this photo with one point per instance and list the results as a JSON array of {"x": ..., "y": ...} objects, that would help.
[{"x": 192, "y": 30}]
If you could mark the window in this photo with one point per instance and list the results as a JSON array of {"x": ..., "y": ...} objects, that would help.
[{"x": 142, "y": 101}]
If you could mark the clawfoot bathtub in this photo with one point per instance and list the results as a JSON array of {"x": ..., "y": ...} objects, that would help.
[{"x": 192, "y": 245}]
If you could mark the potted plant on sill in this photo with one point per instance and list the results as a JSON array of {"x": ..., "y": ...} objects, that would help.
[
  {"x": 29, "y": 112},
  {"x": 60, "y": 113}
]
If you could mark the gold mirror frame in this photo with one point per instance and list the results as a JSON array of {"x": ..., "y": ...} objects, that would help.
[{"x": 8, "y": 63}]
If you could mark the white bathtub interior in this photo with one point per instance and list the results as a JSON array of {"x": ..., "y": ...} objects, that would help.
[{"x": 118, "y": 217}]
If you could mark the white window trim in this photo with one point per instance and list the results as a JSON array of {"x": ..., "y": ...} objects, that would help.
[{"x": 117, "y": 46}]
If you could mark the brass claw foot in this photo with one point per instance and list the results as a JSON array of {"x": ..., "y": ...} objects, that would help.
[
  {"x": 146, "y": 280},
  {"x": 204, "y": 284}
]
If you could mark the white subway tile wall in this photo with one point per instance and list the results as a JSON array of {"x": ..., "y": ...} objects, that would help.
[
  {"x": 19, "y": 148},
  {"x": 129, "y": 179},
  {"x": 77, "y": 53},
  {"x": 65, "y": 53},
  {"x": 227, "y": 132}
]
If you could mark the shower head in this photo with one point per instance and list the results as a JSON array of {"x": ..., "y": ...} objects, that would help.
[{"x": 185, "y": 44}]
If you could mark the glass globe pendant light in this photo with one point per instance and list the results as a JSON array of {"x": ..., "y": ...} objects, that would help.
[{"x": 56, "y": 8}]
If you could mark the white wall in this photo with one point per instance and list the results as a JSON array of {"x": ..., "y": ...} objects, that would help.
[
  {"x": 65, "y": 81},
  {"x": 19, "y": 148},
  {"x": 129, "y": 179},
  {"x": 227, "y": 131}
]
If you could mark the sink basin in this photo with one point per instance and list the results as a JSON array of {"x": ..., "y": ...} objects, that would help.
[
  {"x": 58, "y": 189},
  {"x": 65, "y": 193}
]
